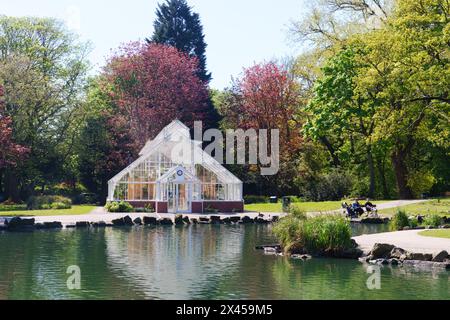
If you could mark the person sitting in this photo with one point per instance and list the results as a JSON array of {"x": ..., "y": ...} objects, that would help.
[
  {"x": 349, "y": 210},
  {"x": 357, "y": 208},
  {"x": 370, "y": 207}
]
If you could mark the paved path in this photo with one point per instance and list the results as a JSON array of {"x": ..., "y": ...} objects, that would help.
[
  {"x": 100, "y": 214},
  {"x": 409, "y": 240},
  {"x": 380, "y": 206}
]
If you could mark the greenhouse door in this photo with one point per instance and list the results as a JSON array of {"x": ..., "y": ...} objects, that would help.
[{"x": 179, "y": 198}]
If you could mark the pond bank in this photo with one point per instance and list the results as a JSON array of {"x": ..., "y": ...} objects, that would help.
[{"x": 409, "y": 240}]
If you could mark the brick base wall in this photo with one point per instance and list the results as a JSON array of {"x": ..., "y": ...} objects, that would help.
[
  {"x": 225, "y": 206},
  {"x": 197, "y": 206}
]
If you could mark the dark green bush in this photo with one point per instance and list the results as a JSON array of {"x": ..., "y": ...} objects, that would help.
[
  {"x": 45, "y": 202},
  {"x": 399, "y": 221},
  {"x": 433, "y": 220},
  {"x": 249, "y": 199},
  {"x": 121, "y": 206}
]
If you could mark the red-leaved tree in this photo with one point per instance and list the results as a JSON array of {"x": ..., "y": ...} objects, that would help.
[
  {"x": 270, "y": 100},
  {"x": 152, "y": 85},
  {"x": 10, "y": 152},
  {"x": 267, "y": 97}
]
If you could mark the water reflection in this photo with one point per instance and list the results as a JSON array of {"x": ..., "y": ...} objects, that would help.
[{"x": 192, "y": 262}]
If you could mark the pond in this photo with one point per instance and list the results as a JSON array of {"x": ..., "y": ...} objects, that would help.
[{"x": 192, "y": 262}]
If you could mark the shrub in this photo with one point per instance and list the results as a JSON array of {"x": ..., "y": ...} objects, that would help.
[
  {"x": 297, "y": 213},
  {"x": 59, "y": 206},
  {"x": 256, "y": 199},
  {"x": 399, "y": 221},
  {"x": 45, "y": 202},
  {"x": 121, "y": 206},
  {"x": 295, "y": 199},
  {"x": 12, "y": 207},
  {"x": 318, "y": 234},
  {"x": 433, "y": 220}
]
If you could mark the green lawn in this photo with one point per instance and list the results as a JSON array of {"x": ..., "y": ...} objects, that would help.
[
  {"x": 441, "y": 207},
  {"x": 305, "y": 206},
  {"x": 75, "y": 210},
  {"x": 438, "y": 233}
]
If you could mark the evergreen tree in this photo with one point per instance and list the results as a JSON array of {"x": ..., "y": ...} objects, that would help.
[{"x": 178, "y": 26}]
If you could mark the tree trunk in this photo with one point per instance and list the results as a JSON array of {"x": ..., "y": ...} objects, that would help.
[
  {"x": 383, "y": 182},
  {"x": 11, "y": 186},
  {"x": 371, "y": 172},
  {"x": 334, "y": 157},
  {"x": 401, "y": 173}
]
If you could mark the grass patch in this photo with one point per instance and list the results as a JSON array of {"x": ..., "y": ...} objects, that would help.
[
  {"x": 323, "y": 233},
  {"x": 75, "y": 210},
  {"x": 440, "y": 233},
  {"x": 437, "y": 206},
  {"x": 304, "y": 206}
]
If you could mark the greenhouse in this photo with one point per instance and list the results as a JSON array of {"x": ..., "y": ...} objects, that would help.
[{"x": 174, "y": 175}]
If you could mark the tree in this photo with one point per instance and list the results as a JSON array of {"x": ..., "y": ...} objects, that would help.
[
  {"x": 266, "y": 97},
  {"x": 176, "y": 25},
  {"x": 42, "y": 68},
  {"x": 337, "y": 110},
  {"x": 151, "y": 85}
]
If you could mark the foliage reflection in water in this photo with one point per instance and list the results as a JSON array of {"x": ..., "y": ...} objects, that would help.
[{"x": 195, "y": 262}]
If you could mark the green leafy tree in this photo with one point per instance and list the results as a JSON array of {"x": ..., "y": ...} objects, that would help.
[{"x": 42, "y": 68}]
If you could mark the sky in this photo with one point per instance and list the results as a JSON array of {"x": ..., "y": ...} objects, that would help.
[{"x": 239, "y": 33}]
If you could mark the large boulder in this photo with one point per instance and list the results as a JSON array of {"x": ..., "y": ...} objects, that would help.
[
  {"x": 226, "y": 220},
  {"x": 381, "y": 250},
  {"x": 247, "y": 219},
  {"x": 18, "y": 223},
  {"x": 440, "y": 256},
  {"x": 165, "y": 222},
  {"x": 82, "y": 224},
  {"x": 204, "y": 220},
  {"x": 150, "y": 221},
  {"x": 215, "y": 220},
  {"x": 419, "y": 256},
  {"x": 398, "y": 253},
  {"x": 352, "y": 253},
  {"x": 186, "y": 220},
  {"x": 128, "y": 221},
  {"x": 52, "y": 225},
  {"x": 261, "y": 220},
  {"x": 179, "y": 219},
  {"x": 99, "y": 224},
  {"x": 118, "y": 222},
  {"x": 235, "y": 219}
]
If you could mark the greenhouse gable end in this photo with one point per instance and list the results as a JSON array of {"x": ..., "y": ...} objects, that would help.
[{"x": 174, "y": 175}]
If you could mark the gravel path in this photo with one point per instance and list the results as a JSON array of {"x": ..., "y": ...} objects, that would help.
[{"x": 409, "y": 240}]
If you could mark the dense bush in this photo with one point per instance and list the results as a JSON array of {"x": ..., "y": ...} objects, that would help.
[
  {"x": 433, "y": 220},
  {"x": 60, "y": 205},
  {"x": 399, "y": 221},
  {"x": 48, "y": 202},
  {"x": 249, "y": 199},
  {"x": 323, "y": 233},
  {"x": 121, "y": 206},
  {"x": 295, "y": 199},
  {"x": 12, "y": 207},
  {"x": 332, "y": 186}
]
